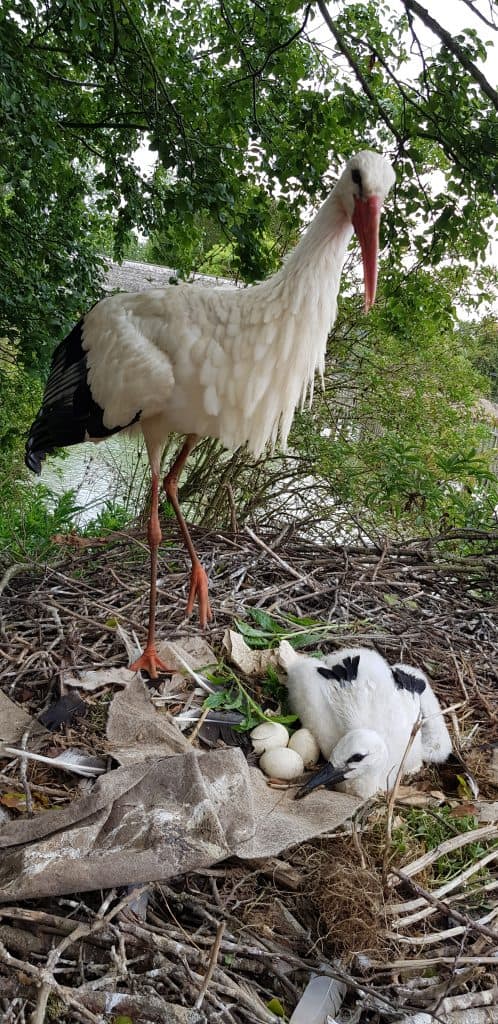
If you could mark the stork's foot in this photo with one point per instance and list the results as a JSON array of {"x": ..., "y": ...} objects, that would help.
[
  {"x": 199, "y": 588},
  {"x": 151, "y": 663}
]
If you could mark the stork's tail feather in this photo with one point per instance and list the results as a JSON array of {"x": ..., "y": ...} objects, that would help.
[{"x": 69, "y": 412}]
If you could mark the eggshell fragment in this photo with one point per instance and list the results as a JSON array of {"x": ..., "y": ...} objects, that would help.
[
  {"x": 305, "y": 743},
  {"x": 282, "y": 763},
  {"x": 268, "y": 736}
]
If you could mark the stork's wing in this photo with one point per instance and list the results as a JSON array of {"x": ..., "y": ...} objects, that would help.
[
  {"x": 407, "y": 681},
  {"x": 436, "y": 740},
  {"x": 69, "y": 412},
  {"x": 345, "y": 671}
]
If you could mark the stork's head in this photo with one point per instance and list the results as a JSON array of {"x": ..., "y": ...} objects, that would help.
[
  {"x": 360, "y": 760},
  {"x": 362, "y": 189}
]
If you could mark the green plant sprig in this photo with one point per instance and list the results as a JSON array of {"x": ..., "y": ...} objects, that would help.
[{"x": 235, "y": 697}]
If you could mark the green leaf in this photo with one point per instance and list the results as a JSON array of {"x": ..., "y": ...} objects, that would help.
[
  {"x": 265, "y": 621},
  {"x": 275, "y": 1006}
]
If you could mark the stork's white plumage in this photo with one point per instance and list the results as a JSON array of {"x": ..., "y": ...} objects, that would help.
[
  {"x": 434, "y": 736},
  {"x": 362, "y": 714},
  {"x": 226, "y": 363}
]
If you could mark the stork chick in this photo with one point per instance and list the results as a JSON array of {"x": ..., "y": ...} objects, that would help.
[
  {"x": 436, "y": 742},
  {"x": 362, "y": 716},
  {"x": 226, "y": 363}
]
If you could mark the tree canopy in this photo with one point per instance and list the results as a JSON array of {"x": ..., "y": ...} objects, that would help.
[
  {"x": 251, "y": 109},
  {"x": 246, "y": 104}
]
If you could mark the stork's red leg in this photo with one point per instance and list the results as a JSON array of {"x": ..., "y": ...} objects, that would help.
[
  {"x": 150, "y": 661},
  {"x": 198, "y": 577}
]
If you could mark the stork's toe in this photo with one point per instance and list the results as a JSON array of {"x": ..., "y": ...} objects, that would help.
[
  {"x": 199, "y": 588},
  {"x": 151, "y": 663}
]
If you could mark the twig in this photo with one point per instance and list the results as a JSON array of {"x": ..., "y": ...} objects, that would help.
[
  {"x": 276, "y": 558},
  {"x": 469, "y": 923},
  {"x": 422, "y": 964},
  {"x": 468, "y": 1000},
  {"x": 211, "y": 965},
  {"x": 199, "y": 724},
  {"x": 233, "y": 509},
  {"x": 36, "y": 974},
  {"x": 394, "y": 793},
  {"x": 411, "y": 905},
  {"x": 477, "y": 834},
  {"x": 81, "y": 931},
  {"x": 23, "y": 765},
  {"x": 451, "y": 42},
  {"x": 12, "y": 570}
]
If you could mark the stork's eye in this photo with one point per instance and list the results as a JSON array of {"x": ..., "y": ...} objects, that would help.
[
  {"x": 356, "y": 176},
  {"x": 356, "y": 757}
]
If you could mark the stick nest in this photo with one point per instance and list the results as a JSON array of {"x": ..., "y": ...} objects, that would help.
[{"x": 426, "y": 603}]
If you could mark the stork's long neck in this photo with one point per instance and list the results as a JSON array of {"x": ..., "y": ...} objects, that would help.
[
  {"x": 322, "y": 247},
  {"x": 296, "y": 309},
  {"x": 311, "y": 274}
]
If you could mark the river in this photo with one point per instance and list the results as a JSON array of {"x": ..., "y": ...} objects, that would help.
[{"x": 115, "y": 470}]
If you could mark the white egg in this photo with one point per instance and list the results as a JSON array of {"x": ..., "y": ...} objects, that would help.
[
  {"x": 282, "y": 763},
  {"x": 268, "y": 736},
  {"x": 305, "y": 743}
]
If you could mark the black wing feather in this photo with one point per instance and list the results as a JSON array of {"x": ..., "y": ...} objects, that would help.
[
  {"x": 345, "y": 671},
  {"x": 69, "y": 413},
  {"x": 406, "y": 681}
]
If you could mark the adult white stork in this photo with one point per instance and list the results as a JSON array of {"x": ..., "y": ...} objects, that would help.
[
  {"x": 226, "y": 363},
  {"x": 362, "y": 712}
]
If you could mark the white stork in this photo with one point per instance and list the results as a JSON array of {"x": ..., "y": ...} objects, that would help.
[
  {"x": 362, "y": 712},
  {"x": 224, "y": 363}
]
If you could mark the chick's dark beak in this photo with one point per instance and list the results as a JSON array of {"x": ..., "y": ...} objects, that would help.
[
  {"x": 328, "y": 776},
  {"x": 366, "y": 221}
]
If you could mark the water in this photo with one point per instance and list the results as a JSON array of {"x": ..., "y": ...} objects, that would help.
[{"x": 115, "y": 470}]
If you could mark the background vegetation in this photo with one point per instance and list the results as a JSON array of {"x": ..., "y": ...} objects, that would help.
[{"x": 251, "y": 109}]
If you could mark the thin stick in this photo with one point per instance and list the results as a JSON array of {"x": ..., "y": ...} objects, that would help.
[
  {"x": 211, "y": 965},
  {"x": 23, "y": 765},
  {"x": 199, "y": 724},
  {"x": 276, "y": 558},
  {"x": 12, "y": 570},
  {"x": 394, "y": 792},
  {"x": 468, "y": 1000},
  {"x": 469, "y": 923},
  {"x": 418, "y": 865},
  {"x": 81, "y": 931}
]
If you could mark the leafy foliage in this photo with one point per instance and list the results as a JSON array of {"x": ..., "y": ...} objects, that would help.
[
  {"x": 29, "y": 522},
  {"x": 299, "y": 631},
  {"x": 232, "y": 695},
  {"x": 251, "y": 109},
  {"x": 246, "y": 105}
]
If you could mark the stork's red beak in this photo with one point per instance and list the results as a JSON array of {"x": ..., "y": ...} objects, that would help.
[{"x": 366, "y": 220}]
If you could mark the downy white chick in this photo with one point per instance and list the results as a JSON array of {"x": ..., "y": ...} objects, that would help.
[
  {"x": 436, "y": 741},
  {"x": 362, "y": 717}
]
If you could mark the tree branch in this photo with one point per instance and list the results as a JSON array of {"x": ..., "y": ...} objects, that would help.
[
  {"x": 478, "y": 14},
  {"x": 287, "y": 42},
  {"x": 344, "y": 48},
  {"x": 117, "y": 125},
  {"x": 453, "y": 46}
]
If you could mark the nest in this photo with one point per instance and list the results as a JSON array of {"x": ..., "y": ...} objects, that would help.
[{"x": 256, "y": 932}]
